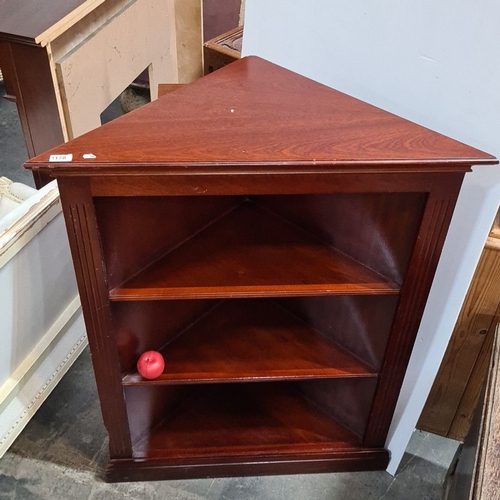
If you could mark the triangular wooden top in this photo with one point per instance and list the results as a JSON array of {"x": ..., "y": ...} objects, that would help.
[{"x": 253, "y": 112}]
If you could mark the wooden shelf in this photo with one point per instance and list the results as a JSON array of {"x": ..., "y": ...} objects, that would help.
[
  {"x": 249, "y": 419},
  {"x": 256, "y": 341},
  {"x": 251, "y": 252}
]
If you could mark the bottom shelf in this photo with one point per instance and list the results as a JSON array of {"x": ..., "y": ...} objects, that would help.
[{"x": 228, "y": 420}]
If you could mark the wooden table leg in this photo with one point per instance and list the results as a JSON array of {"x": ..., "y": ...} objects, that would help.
[{"x": 27, "y": 77}]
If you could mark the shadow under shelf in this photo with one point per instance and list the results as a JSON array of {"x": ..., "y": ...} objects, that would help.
[{"x": 230, "y": 420}]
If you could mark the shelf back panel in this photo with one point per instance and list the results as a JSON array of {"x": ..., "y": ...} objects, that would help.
[
  {"x": 348, "y": 401},
  {"x": 376, "y": 229},
  {"x": 135, "y": 231},
  {"x": 147, "y": 325},
  {"x": 358, "y": 323}
]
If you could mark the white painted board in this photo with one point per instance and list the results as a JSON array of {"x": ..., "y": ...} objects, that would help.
[
  {"x": 41, "y": 323},
  {"x": 435, "y": 63}
]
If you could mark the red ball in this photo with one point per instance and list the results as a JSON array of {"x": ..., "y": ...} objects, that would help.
[{"x": 151, "y": 365}]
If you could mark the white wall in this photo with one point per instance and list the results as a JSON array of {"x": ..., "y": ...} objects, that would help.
[{"x": 435, "y": 63}]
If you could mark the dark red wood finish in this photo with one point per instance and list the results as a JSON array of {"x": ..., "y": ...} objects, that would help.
[
  {"x": 27, "y": 76},
  {"x": 370, "y": 316},
  {"x": 251, "y": 252},
  {"x": 252, "y": 341},
  {"x": 26, "y": 70},
  {"x": 253, "y": 115},
  {"x": 90, "y": 274},
  {"x": 276, "y": 240}
]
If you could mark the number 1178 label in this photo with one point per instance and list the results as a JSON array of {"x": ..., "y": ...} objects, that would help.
[{"x": 61, "y": 157}]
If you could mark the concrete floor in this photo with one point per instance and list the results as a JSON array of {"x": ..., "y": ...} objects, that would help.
[
  {"x": 62, "y": 452},
  {"x": 12, "y": 147}
]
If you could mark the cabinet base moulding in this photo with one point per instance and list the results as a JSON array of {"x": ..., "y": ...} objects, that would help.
[{"x": 155, "y": 470}]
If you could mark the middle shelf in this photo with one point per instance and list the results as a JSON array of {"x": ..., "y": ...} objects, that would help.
[{"x": 256, "y": 340}]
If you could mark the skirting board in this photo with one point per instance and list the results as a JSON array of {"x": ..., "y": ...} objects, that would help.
[{"x": 54, "y": 355}]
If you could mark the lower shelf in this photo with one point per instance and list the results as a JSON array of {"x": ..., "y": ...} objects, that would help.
[
  {"x": 228, "y": 420},
  {"x": 237, "y": 429}
]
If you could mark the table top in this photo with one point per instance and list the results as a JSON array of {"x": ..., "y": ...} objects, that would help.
[
  {"x": 28, "y": 20},
  {"x": 254, "y": 113}
]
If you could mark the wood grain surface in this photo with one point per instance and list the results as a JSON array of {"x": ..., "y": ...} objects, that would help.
[
  {"x": 454, "y": 395},
  {"x": 476, "y": 474},
  {"x": 27, "y": 19},
  {"x": 239, "y": 341},
  {"x": 253, "y": 112},
  {"x": 487, "y": 484},
  {"x": 228, "y": 419},
  {"x": 252, "y": 252}
]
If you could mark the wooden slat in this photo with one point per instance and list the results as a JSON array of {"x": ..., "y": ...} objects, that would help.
[
  {"x": 36, "y": 22},
  {"x": 487, "y": 480},
  {"x": 468, "y": 338},
  {"x": 465, "y": 412},
  {"x": 188, "y": 40},
  {"x": 476, "y": 474}
]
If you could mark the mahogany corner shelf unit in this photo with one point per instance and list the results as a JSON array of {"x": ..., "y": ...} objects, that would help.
[{"x": 276, "y": 241}]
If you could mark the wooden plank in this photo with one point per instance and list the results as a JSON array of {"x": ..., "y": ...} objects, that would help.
[
  {"x": 86, "y": 27},
  {"x": 28, "y": 20},
  {"x": 464, "y": 348},
  {"x": 476, "y": 475},
  {"x": 68, "y": 21},
  {"x": 35, "y": 98},
  {"x": 166, "y": 88},
  {"x": 12, "y": 87},
  {"x": 93, "y": 74},
  {"x": 465, "y": 412},
  {"x": 189, "y": 40},
  {"x": 487, "y": 481}
]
